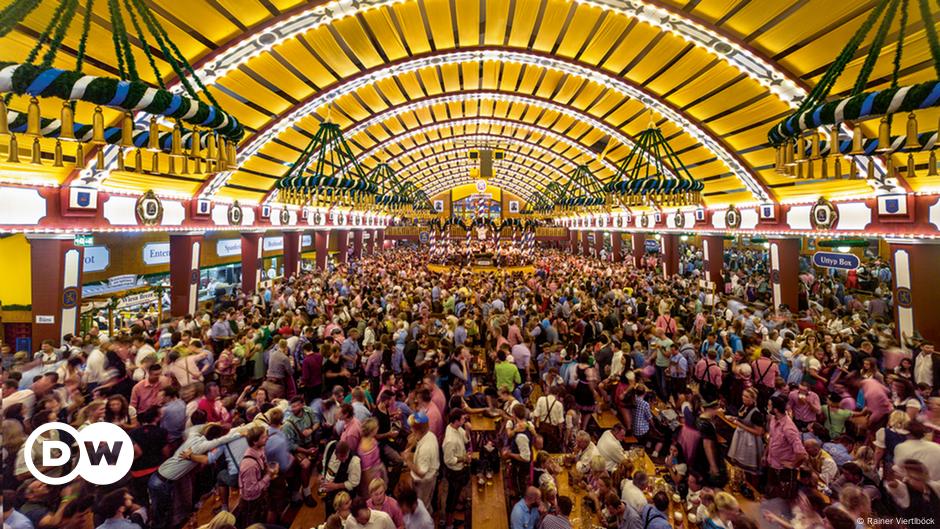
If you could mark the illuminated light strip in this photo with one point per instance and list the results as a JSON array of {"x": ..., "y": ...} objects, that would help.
[
  {"x": 498, "y": 97},
  {"x": 505, "y": 166},
  {"x": 469, "y": 138},
  {"x": 520, "y": 171},
  {"x": 572, "y": 68},
  {"x": 449, "y": 163},
  {"x": 486, "y": 137},
  {"x": 765, "y": 72},
  {"x": 489, "y": 122}
]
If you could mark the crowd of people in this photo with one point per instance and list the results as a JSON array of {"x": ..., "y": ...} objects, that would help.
[
  {"x": 506, "y": 252},
  {"x": 355, "y": 388}
]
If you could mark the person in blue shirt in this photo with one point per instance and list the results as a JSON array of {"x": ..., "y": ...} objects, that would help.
[
  {"x": 114, "y": 508},
  {"x": 525, "y": 514},
  {"x": 13, "y": 518},
  {"x": 653, "y": 515}
]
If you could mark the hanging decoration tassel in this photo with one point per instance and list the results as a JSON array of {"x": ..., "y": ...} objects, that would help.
[
  {"x": 138, "y": 160},
  {"x": 67, "y": 129},
  {"x": 36, "y": 158},
  {"x": 14, "y": 154},
  {"x": 912, "y": 140},
  {"x": 99, "y": 158},
  {"x": 871, "y": 167},
  {"x": 932, "y": 163},
  {"x": 838, "y": 168},
  {"x": 4, "y": 121},
  {"x": 814, "y": 146},
  {"x": 800, "y": 149},
  {"x": 155, "y": 163},
  {"x": 127, "y": 130},
  {"x": 57, "y": 156},
  {"x": 853, "y": 168},
  {"x": 911, "y": 169},
  {"x": 120, "y": 160},
  {"x": 153, "y": 141},
  {"x": 33, "y": 118},
  {"x": 858, "y": 140},
  {"x": 80, "y": 154},
  {"x": 176, "y": 141},
  {"x": 210, "y": 152},
  {"x": 884, "y": 135},
  {"x": 97, "y": 127}
]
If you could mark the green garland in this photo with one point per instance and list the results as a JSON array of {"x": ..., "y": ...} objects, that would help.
[{"x": 18, "y": 79}]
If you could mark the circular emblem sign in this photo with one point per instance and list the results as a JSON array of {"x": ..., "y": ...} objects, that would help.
[
  {"x": 234, "y": 214},
  {"x": 149, "y": 209},
  {"x": 679, "y": 219},
  {"x": 733, "y": 218},
  {"x": 69, "y": 297},
  {"x": 481, "y": 186},
  {"x": 285, "y": 216},
  {"x": 775, "y": 277},
  {"x": 644, "y": 221},
  {"x": 824, "y": 215},
  {"x": 318, "y": 218},
  {"x": 341, "y": 219},
  {"x": 194, "y": 277},
  {"x": 904, "y": 297}
]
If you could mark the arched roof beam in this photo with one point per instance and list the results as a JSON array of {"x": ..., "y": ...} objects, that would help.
[{"x": 570, "y": 67}]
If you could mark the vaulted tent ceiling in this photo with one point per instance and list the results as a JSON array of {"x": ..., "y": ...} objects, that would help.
[{"x": 413, "y": 82}]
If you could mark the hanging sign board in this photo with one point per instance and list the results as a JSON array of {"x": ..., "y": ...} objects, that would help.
[{"x": 840, "y": 261}]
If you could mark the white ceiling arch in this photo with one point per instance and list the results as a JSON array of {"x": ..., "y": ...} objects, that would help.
[
  {"x": 554, "y": 136},
  {"x": 239, "y": 51},
  {"x": 524, "y": 184},
  {"x": 567, "y": 66}
]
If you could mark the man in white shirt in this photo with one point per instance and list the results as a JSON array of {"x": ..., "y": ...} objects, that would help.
[
  {"x": 631, "y": 491},
  {"x": 923, "y": 365},
  {"x": 424, "y": 460},
  {"x": 362, "y": 517},
  {"x": 456, "y": 460},
  {"x": 585, "y": 451},
  {"x": 549, "y": 417},
  {"x": 414, "y": 512},
  {"x": 610, "y": 448},
  {"x": 95, "y": 365},
  {"x": 920, "y": 449},
  {"x": 343, "y": 472}
]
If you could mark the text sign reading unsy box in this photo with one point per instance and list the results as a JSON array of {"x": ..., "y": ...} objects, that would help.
[{"x": 842, "y": 261}]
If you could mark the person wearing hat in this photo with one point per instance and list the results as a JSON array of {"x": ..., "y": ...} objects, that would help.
[
  {"x": 423, "y": 458},
  {"x": 709, "y": 459}
]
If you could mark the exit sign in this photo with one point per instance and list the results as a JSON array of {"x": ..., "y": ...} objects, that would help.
[{"x": 84, "y": 239}]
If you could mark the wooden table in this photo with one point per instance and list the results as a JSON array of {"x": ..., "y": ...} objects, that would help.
[
  {"x": 606, "y": 419},
  {"x": 581, "y": 517},
  {"x": 489, "y": 505},
  {"x": 482, "y": 428}
]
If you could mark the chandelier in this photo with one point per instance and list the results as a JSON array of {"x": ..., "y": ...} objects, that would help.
[
  {"x": 326, "y": 174},
  {"x": 653, "y": 175},
  {"x": 201, "y": 137},
  {"x": 583, "y": 192},
  {"x": 812, "y": 140}
]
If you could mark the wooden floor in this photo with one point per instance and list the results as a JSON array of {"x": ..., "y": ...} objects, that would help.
[
  {"x": 489, "y": 504},
  {"x": 303, "y": 517}
]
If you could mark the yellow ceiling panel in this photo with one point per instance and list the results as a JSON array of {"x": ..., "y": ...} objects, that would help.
[
  {"x": 269, "y": 68},
  {"x": 410, "y": 19},
  {"x": 497, "y": 16},
  {"x": 680, "y": 71},
  {"x": 439, "y": 18},
  {"x": 471, "y": 75},
  {"x": 491, "y": 75},
  {"x": 242, "y": 195},
  {"x": 667, "y": 48},
  {"x": 371, "y": 97},
  {"x": 389, "y": 89},
  {"x": 351, "y": 107},
  {"x": 284, "y": 5},
  {"x": 584, "y": 19},
  {"x": 556, "y": 12},
  {"x": 569, "y": 88},
  {"x": 266, "y": 166},
  {"x": 630, "y": 47},
  {"x": 468, "y": 22},
  {"x": 764, "y": 109},
  {"x": 609, "y": 33},
  {"x": 590, "y": 93},
  {"x": 246, "y": 115},
  {"x": 707, "y": 10},
  {"x": 523, "y": 22},
  {"x": 382, "y": 26},
  {"x": 321, "y": 41},
  {"x": 716, "y": 76},
  {"x": 431, "y": 81},
  {"x": 724, "y": 99},
  {"x": 160, "y": 183},
  {"x": 450, "y": 73},
  {"x": 793, "y": 29},
  {"x": 358, "y": 41},
  {"x": 510, "y": 74},
  {"x": 313, "y": 69},
  {"x": 530, "y": 79},
  {"x": 411, "y": 85},
  {"x": 754, "y": 15},
  {"x": 549, "y": 82}
]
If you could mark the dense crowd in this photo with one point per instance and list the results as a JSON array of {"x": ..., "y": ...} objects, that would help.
[{"x": 355, "y": 388}]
